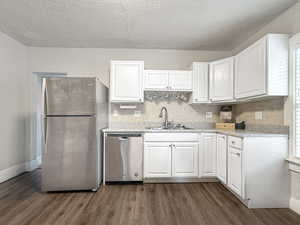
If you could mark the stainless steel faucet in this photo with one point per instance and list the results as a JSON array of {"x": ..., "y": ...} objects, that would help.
[{"x": 166, "y": 123}]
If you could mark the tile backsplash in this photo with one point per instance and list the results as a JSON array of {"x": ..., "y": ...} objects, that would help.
[
  {"x": 182, "y": 112},
  {"x": 178, "y": 112},
  {"x": 272, "y": 112}
]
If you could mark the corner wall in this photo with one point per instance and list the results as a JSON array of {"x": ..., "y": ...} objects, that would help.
[
  {"x": 14, "y": 98},
  {"x": 96, "y": 62}
]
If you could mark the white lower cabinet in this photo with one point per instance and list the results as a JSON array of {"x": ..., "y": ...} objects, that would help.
[
  {"x": 235, "y": 170},
  {"x": 163, "y": 157},
  {"x": 185, "y": 159},
  {"x": 157, "y": 159},
  {"x": 253, "y": 167},
  {"x": 209, "y": 156},
  {"x": 222, "y": 158}
]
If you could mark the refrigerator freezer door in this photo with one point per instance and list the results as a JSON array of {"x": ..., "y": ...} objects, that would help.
[
  {"x": 70, "y": 157},
  {"x": 70, "y": 96}
]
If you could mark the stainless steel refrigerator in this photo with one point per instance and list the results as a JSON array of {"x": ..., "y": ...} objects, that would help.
[{"x": 75, "y": 110}]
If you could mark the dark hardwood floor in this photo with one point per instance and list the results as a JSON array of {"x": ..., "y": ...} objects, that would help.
[{"x": 21, "y": 202}]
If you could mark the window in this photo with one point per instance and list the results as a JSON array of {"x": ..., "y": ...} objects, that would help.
[{"x": 295, "y": 71}]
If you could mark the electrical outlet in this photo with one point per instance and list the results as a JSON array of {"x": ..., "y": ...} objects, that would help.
[
  {"x": 137, "y": 113},
  {"x": 115, "y": 113},
  {"x": 258, "y": 115},
  {"x": 208, "y": 115}
]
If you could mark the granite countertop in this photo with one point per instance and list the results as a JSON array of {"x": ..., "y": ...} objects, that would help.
[{"x": 238, "y": 133}]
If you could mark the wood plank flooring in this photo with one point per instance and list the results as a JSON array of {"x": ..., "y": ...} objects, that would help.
[{"x": 22, "y": 203}]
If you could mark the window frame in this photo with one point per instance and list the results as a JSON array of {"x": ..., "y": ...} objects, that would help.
[{"x": 294, "y": 44}]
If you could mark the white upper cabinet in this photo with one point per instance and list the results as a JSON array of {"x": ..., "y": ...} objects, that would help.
[
  {"x": 221, "y": 80},
  {"x": 126, "y": 81},
  {"x": 156, "y": 79},
  {"x": 168, "y": 80},
  {"x": 262, "y": 68},
  {"x": 200, "y": 82},
  {"x": 180, "y": 80}
]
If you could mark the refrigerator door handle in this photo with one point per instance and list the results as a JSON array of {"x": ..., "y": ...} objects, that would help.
[
  {"x": 44, "y": 112},
  {"x": 45, "y": 133},
  {"x": 45, "y": 96}
]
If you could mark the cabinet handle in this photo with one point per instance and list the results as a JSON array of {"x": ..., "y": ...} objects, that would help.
[
  {"x": 236, "y": 153},
  {"x": 233, "y": 142}
]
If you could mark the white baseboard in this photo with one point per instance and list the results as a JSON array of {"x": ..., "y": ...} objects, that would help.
[
  {"x": 11, "y": 172},
  {"x": 15, "y": 170},
  {"x": 33, "y": 164},
  {"x": 295, "y": 205}
]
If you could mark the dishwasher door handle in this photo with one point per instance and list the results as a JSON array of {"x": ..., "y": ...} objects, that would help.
[
  {"x": 124, "y": 154},
  {"x": 123, "y": 138}
]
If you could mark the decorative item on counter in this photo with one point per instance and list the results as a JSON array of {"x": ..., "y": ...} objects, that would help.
[
  {"x": 225, "y": 126},
  {"x": 226, "y": 117},
  {"x": 226, "y": 113},
  {"x": 241, "y": 125}
]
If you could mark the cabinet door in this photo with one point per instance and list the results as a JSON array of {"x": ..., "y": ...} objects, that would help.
[
  {"x": 235, "y": 170},
  {"x": 185, "y": 159},
  {"x": 156, "y": 79},
  {"x": 157, "y": 159},
  {"x": 250, "y": 71},
  {"x": 221, "y": 80},
  {"x": 126, "y": 81},
  {"x": 222, "y": 158},
  {"x": 209, "y": 157},
  {"x": 180, "y": 80},
  {"x": 200, "y": 82}
]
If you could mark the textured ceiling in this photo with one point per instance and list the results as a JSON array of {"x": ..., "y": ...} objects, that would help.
[{"x": 167, "y": 24}]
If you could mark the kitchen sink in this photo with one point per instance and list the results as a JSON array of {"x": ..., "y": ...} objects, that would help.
[{"x": 171, "y": 127}]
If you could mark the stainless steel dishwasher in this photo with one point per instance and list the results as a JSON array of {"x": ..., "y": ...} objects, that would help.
[{"x": 123, "y": 157}]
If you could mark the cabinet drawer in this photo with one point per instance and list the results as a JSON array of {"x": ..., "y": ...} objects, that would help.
[
  {"x": 235, "y": 142},
  {"x": 171, "y": 137}
]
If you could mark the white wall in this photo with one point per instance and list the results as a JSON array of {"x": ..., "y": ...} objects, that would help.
[
  {"x": 287, "y": 23},
  {"x": 96, "y": 61},
  {"x": 14, "y": 98}
]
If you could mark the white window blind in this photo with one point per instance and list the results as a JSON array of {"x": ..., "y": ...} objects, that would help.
[{"x": 297, "y": 103}]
